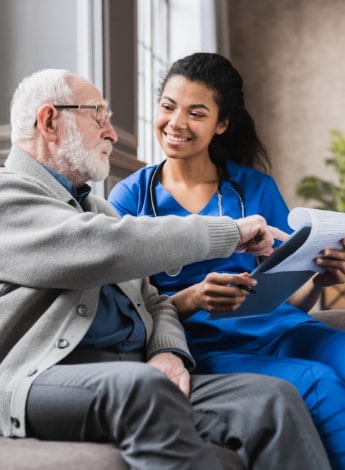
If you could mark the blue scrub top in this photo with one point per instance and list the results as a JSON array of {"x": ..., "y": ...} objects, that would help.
[{"x": 261, "y": 196}]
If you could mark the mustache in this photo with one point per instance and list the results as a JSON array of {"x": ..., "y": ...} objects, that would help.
[{"x": 105, "y": 146}]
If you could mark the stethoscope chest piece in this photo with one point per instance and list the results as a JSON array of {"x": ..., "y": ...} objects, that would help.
[{"x": 173, "y": 271}]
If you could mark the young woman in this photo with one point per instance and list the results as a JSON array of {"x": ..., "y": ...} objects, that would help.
[{"x": 212, "y": 152}]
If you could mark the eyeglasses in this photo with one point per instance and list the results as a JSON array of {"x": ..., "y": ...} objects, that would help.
[{"x": 102, "y": 115}]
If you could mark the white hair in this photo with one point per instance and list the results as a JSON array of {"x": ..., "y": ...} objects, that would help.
[{"x": 46, "y": 86}]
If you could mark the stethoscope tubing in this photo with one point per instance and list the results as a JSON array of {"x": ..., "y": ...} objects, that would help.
[
  {"x": 154, "y": 178},
  {"x": 236, "y": 186}
]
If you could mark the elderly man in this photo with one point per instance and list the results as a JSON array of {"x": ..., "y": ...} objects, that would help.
[{"x": 89, "y": 350}]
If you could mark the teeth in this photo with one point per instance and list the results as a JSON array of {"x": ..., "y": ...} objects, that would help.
[{"x": 177, "y": 139}]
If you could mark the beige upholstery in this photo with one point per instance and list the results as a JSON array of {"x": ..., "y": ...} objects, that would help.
[
  {"x": 334, "y": 318},
  {"x": 32, "y": 454}
]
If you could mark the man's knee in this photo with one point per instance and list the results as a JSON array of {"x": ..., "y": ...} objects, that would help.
[
  {"x": 135, "y": 374},
  {"x": 132, "y": 380},
  {"x": 277, "y": 388}
]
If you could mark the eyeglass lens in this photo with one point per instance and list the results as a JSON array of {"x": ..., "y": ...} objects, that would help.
[{"x": 102, "y": 115}]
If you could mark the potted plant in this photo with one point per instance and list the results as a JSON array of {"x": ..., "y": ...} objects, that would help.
[{"x": 330, "y": 196}]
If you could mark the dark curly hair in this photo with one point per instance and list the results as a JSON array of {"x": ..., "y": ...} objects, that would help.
[{"x": 240, "y": 142}]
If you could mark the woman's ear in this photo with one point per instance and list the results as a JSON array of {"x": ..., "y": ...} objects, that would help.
[
  {"x": 222, "y": 126},
  {"x": 47, "y": 122}
]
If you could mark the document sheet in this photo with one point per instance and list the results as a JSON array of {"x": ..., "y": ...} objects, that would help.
[{"x": 292, "y": 263}]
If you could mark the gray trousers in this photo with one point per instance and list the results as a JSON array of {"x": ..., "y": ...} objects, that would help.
[{"x": 157, "y": 427}]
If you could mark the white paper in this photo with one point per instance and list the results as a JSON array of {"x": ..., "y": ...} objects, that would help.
[{"x": 327, "y": 229}]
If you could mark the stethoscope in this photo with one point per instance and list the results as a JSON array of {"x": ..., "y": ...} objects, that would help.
[{"x": 225, "y": 177}]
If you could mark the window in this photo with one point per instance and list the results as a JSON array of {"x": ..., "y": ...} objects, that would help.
[
  {"x": 153, "y": 47},
  {"x": 167, "y": 30}
]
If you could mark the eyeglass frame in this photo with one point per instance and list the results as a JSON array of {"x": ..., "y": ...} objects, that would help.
[{"x": 85, "y": 106}]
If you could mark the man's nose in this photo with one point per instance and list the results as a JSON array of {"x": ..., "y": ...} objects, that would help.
[{"x": 111, "y": 133}]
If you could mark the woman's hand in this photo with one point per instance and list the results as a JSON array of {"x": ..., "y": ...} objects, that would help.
[
  {"x": 333, "y": 261},
  {"x": 216, "y": 293}
]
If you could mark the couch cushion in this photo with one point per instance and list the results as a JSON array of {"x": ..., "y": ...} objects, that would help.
[
  {"x": 32, "y": 454},
  {"x": 335, "y": 318}
]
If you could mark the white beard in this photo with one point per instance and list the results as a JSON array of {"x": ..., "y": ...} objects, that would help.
[{"x": 76, "y": 157}]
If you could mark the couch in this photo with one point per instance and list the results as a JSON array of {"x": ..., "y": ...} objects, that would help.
[{"x": 32, "y": 454}]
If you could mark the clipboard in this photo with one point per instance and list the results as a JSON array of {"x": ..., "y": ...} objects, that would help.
[{"x": 273, "y": 288}]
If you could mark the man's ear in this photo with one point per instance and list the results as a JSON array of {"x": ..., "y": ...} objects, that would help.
[
  {"x": 222, "y": 126},
  {"x": 47, "y": 122}
]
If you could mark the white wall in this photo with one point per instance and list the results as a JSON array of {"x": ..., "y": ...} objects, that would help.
[{"x": 34, "y": 34}]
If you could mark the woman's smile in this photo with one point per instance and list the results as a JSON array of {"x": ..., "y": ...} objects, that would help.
[{"x": 176, "y": 138}]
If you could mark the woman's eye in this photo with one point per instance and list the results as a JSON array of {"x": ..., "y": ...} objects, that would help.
[
  {"x": 166, "y": 107},
  {"x": 196, "y": 115}
]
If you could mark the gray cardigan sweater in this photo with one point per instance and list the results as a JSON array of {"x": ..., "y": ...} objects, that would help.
[{"x": 55, "y": 256}]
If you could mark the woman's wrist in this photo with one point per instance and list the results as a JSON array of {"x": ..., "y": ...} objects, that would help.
[
  {"x": 185, "y": 302},
  {"x": 317, "y": 282}
]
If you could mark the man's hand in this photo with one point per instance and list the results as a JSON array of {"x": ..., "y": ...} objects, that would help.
[
  {"x": 172, "y": 366},
  {"x": 256, "y": 237}
]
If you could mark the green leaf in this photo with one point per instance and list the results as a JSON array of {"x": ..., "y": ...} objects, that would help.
[{"x": 325, "y": 193}]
